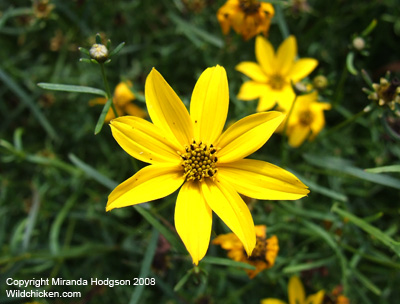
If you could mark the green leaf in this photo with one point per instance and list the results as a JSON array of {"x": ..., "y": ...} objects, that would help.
[
  {"x": 93, "y": 173},
  {"x": 183, "y": 280},
  {"x": 168, "y": 234},
  {"x": 71, "y": 88},
  {"x": 393, "y": 168},
  {"x": 102, "y": 117},
  {"x": 56, "y": 226},
  {"x": 98, "y": 38},
  {"x": 84, "y": 51},
  {"x": 344, "y": 166},
  {"x": 367, "y": 283},
  {"x": 307, "y": 266},
  {"x": 350, "y": 63},
  {"x": 190, "y": 30},
  {"x": 327, "y": 237},
  {"x": 227, "y": 262},
  {"x": 145, "y": 268},
  {"x": 28, "y": 101},
  {"x": 375, "y": 232},
  {"x": 117, "y": 49},
  {"x": 369, "y": 28},
  {"x": 314, "y": 187}
]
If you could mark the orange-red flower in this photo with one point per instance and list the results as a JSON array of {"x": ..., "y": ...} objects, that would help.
[
  {"x": 263, "y": 256},
  {"x": 247, "y": 17}
]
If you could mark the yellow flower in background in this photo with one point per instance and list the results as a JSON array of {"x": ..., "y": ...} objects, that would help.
[
  {"x": 271, "y": 77},
  {"x": 263, "y": 256},
  {"x": 297, "y": 294},
  {"x": 188, "y": 151},
  {"x": 122, "y": 100},
  {"x": 306, "y": 120},
  {"x": 247, "y": 17},
  {"x": 42, "y": 8}
]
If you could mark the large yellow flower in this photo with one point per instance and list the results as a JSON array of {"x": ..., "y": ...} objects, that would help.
[
  {"x": 247, "y": 17},
  {"x": 271, "y": 77},
  {"x": 306, "y": 120},
  {"x": 263, "y": 256},
  {"x": 122, "y": 100},
  {"x": 297, "y": 294},
  {"x": 189, "y": 151}
]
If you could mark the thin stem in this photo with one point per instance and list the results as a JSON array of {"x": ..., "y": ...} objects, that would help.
[
  {"x": 284, "y": 135},
  {"x": 109, "y": 96},
  {"x": 281, "y": 22},
  {"x": 348, "y": 121}
]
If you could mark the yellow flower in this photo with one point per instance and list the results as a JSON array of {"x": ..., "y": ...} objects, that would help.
[
  {"x": 188, "y": 150},
  {"x": 122, "y": 100},
  {"x": 271, "y": 78},
  {"x": 297, "y": 294},
  {"x": 42, "y": 8},
  {"x": 306, "y": 120},
  {"x": 247, "y": 17},
  {"x": 263, "y": 256}
]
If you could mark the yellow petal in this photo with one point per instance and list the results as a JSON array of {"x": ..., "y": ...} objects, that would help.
[
  {"x": 252, "y": 90},
  {"x": 97, "y": 101},
  {"x": 266, "y": 102},
  {"x": 233, "y": 211},
  {"x": 301, "y": 69},
  {"x": 143, "y": 140},
  {"x": 262, "y": 180},
  {"x": 298, "y": 135},
  {"x": 252, "y": 70},
  {"x": 247, "y": 135},
  {"x": 265, "y": 55},
  {"x": 150, "y": 183},
  {"x": 123, "y": 93},
  {"x": 316, "y": 298},
  {"x": 296, "y": 291},
  {"x": 286, "y": 54},
  {"x": 272, "y": 301},
  {"x": 285, "y": 97},
  {"x": 166, "y": 110},
  {"x": 209, "y": 104},
  {"x": 193, "y": 220}
]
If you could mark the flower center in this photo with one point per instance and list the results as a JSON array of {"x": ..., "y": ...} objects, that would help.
[
  {"x": 260, "y": 250},
  {"x": 276, "y": 82},
  {"x": 199, "y": 161},
  {"x": 306, "y": 118},
  {"x": 249, "y": 7}
]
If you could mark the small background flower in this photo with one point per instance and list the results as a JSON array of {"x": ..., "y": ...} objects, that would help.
[
  {"x": 306, "y": 119},
  {"x": 272, "y": 75},
  {"x": 247, "y": 17},
  {"x": 123, "y": 100},
  {"x": 297, "y": 295},
  {"x": 263, "y": 255}
]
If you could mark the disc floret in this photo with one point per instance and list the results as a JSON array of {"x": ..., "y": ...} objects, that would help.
[{"x": 199, "y": 161}]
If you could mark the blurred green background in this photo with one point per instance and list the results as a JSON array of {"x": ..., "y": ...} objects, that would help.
[{"x": 55, "y": 174}]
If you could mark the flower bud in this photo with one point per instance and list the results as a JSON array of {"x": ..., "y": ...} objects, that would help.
[
  {"x": 99, "y": 52},
  {"x": 359, "y": 43},
  {"x": 320, "y": 82}
]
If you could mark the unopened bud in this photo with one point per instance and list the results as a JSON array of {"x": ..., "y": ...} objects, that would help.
[
  {"x": 320, "y": 82},
  {"x": 359, "y": 43},
  {"x": 99, "y": 52}
]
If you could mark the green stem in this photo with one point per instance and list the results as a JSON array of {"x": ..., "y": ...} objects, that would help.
[
  {"x": 109, "y": 96},
  {"x": 284, "y": 135},
  {"x": 281, "y": 21},
  {"x": 348, "y": 121}
]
